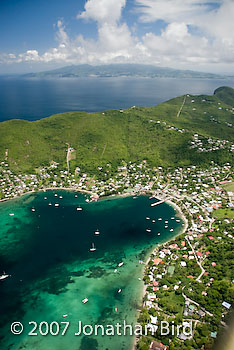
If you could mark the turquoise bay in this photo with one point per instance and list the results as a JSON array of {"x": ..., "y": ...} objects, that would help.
[{"x": 47, "y": 253}]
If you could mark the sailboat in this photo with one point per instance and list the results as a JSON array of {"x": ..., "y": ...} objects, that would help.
[
  {"x": 92, "y": 249},
  {"x": 4, "y": 276}
]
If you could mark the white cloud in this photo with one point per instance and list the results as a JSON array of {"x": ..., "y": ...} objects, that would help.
[
  {"x": 108, "y": 11},
  {"x": 174, "y": 10},
  {"x": 210, "y": 45}
]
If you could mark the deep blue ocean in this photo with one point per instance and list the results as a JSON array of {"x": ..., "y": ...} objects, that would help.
[{"x": 33, "y": 99}]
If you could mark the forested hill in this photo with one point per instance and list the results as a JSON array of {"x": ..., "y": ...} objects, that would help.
[{"x": 186, "y": 130}]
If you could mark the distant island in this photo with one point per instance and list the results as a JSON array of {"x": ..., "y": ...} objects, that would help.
[{"x": 121, "y": 70}]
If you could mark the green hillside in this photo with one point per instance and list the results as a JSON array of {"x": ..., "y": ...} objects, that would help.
[
  {"x": 162, "y": 135},
  {"x": 225, "y": 94}
]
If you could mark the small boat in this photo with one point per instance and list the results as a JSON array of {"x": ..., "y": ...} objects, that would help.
[
  {"x": 177, "y": 220},
  {"x": 116, "y": 309},
  {"x": 172, "y": 218},
  {"x": 159, "y": 233},
  {"x": 120, "y": 290},
  {"x": 166, "y": 226},
  {"x": 171, "y": 230},
  {"x": 93, "y": 248},
  {"x": 65, "y": 315},
  {"x": 115, "y": 270},
  {"x": 153, "y": 221},
  {"x": 147, "y": 218},
  {"x": 33, "y": 209},
  {"x": 56, "y": 205},
  {"x": 120, "y": 264},
  {"x": 4, "y": 276},
  {"x": 148, "y": 230},
  {"x": 139, "y": 278},
  {"x": 45, "y": 198},
  {"x": 166, "y": 221},
  {"x": 97, "y": 232},
  {"x": 159, "y": 219},
  {"x": 85, "y": 300},
  {"x": 134, "y": 197},
  {"x": 55, "y": 195},
  {"x": 87, "y": 200},
  {"x": 60, "y": 197},
  {"x": 79, "y": 208},
  {"x": 75, "y": 195},
  {"x": 50, "y": 204},
  {"x": 11, "y": 214}
]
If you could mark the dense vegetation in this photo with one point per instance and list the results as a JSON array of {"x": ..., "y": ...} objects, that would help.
[{"x": 132, "y": 134}]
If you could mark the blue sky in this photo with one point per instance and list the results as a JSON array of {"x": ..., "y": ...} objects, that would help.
[{"x": 44, "y": 34}]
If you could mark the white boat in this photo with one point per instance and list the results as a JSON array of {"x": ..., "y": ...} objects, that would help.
[
  {"x": 87, "y": 200},
  {"x": 60, "y": 197},
  {"x": 120, "y": 290},
  {"x": 172, "y": 218},
  {"x": 148, "y": 230},
  {"x": 120, "y": 264},
  {"x": 75, "y": 195},
  {"x": 159, "y": 219},
  {"x": 4, "y": 276},
  {"x": 159, "y": 233},
  {"x": 166, "y": 221},
  {"x": 45, "y": 198},
  {"x": 65, "y": 315},
  {"x": 50, "y": 204},
  {"x": 55, "y": 195},
  {"x": 93, "y": 248},
  {"x": 166, "y": 226},
  {"x": 11, "y": 214},
  {"x": 177, "y": 220},
  {"x": 33, "y": 209},
  {"x": 171, "y": 230},
  {"x": 56, "y": 205},
  {"x": 147, "y": 218},
  {"x": 79, "y": 208},
  {"x": 153, "y": 221},
  {"x": 97, "y": 232},
  {"x": 85, "y": 300}
]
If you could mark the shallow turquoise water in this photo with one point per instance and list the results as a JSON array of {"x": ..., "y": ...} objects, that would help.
[{"x": 46, "y": 252}]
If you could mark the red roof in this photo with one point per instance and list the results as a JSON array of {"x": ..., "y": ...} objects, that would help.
[{"x": 199, "y": 254}]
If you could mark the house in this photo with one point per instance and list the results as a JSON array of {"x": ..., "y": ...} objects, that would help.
[
  {"x": 153, "y": 319},
  {"x": 157, "y": 346},
  {"x": 226, "y": 305},
  {"x": 157, "y": 261}
]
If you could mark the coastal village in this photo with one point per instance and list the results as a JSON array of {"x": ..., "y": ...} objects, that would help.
[{"x": 188, "y": 280}]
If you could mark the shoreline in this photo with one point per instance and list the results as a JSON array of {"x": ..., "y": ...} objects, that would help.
[
  {"x": 184, "y": 229},
  {"x": 128, "y": 194},
  {"x": 48, "y": 189}
]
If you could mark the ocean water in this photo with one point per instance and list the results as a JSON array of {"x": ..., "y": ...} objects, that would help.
[
  {"x": 33, "y": 99},
  {"x": 46, "y": 252}
]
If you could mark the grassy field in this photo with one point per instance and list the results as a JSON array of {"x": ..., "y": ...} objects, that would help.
[
  {"x": 227, "y": 213},
  {"x": 229, "y": 187},
  {"x": 133, "y": 134}
]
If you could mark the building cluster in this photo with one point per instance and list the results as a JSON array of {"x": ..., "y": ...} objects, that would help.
[{"x": 203, "y": 144}]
